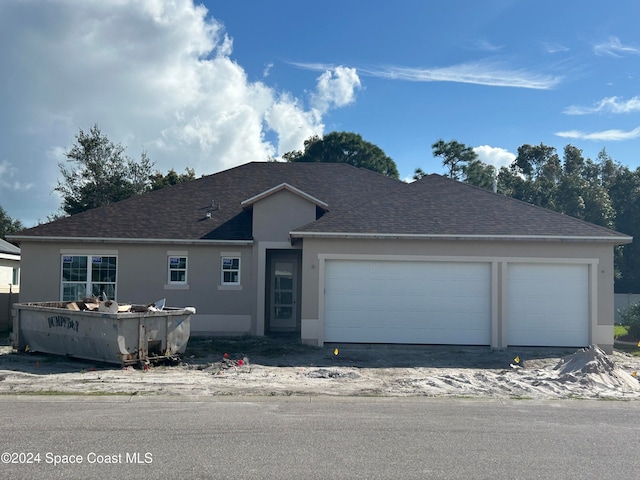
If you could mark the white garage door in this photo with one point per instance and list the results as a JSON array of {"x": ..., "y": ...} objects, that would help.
[
  {"x": 407, "y": 302},
  {"x": 548, "y": 305}
]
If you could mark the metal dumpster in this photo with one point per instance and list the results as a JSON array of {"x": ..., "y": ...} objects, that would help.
[{"x": 124, "y": 337}]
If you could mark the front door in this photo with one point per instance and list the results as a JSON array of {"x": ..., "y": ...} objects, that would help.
[{"x": 282, "y": 314}]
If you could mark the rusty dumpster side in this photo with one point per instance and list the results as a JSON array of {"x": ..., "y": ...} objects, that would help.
[{"x": 123, "y": 338}]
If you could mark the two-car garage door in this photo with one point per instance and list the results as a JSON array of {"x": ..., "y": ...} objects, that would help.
[
  {"x": 407, "y": 302},
  {"x": 427, "y": 302}
]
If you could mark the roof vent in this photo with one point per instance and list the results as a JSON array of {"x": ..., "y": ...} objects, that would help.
[{"x": 208, "y": 214}]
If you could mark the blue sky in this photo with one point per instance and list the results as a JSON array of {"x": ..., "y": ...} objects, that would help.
[{"x": 210, "y": 86}]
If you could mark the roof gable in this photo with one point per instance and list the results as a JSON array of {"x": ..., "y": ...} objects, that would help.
[{"x": 278, "y": 188}]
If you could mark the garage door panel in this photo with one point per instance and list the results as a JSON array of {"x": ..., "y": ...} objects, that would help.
[
  {"x": 402, "y": 302},
  {"x": 548, "y": 304}
]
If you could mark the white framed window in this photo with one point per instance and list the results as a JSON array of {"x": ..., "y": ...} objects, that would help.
[
  {"x": 84, "y": 276},
  {"x": 177, "y": 270},
  {"x": 230, "y": 270}
]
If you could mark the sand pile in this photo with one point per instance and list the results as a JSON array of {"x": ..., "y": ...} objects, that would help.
[{"x": 592, "y": 367}]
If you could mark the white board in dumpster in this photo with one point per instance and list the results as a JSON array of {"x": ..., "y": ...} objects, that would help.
[{"x": 102, "y": 331}]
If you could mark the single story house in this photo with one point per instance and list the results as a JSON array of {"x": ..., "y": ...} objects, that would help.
[
  {"x": 9, "y": 281},
  {"x": 9, "y": 264},
  {"x": 335, "y": 253}
]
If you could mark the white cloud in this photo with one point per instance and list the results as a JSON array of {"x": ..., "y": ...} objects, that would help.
[
  {"x": 292, "y": 125},
  {"x": 551, "y": 47},
  {"x": 156, "y": 75},
  {"x": 605, "y": 135},
  {"x": 479, "y": 73},
  {"x": 4, "y": 169},
  {"x": 8, "y": 179},
  {"x": 496, "y": 156},
  {"x": 336, "y": 88},
  {"x": 614, "y": 47},
  {"x": 606, "y": 105}
]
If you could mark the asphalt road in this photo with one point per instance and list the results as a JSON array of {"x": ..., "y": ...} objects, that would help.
[{"x": 316, "y": 438}]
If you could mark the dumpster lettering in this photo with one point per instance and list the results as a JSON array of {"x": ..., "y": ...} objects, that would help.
[{"x": 63, "y": 322}]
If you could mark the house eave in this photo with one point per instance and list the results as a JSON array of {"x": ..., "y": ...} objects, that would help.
[
  {"x": 618, "y": 240},
  {"x": 155, "y": 241},
  {"x": 10, "y": 256}
]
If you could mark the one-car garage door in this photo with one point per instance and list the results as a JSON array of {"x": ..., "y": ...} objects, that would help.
[
  {"x": 548, "y": 305},
  {"x": 407, "y": 302}
]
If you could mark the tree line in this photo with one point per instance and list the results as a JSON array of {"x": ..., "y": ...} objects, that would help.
[{"x": 602, "y": 191}]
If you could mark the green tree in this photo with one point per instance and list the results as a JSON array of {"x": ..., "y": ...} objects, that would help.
[
  {"x": 8, "y": 225},
  {"x": 573, "y": 186},
  {"x": 159, "y": 181},
  {"x": 345, "y": 147},
  {"x": 582, "y": 192},
  {"x": 532, "y": 160},
  {"x": 454, "y": 156},
  {"x": 533, "y": 176},
  {"x": 624, "y": 191},
  {"x": 99, "y": 173},
  {"x": 418, "y": 173},
  {"x": 479, "y": 174},
  {"x": 462, "y": 164}
]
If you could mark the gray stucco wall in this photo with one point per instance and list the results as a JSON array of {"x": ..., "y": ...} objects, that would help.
[
  {"x": 280, "y": 213},
  {"x": 501, "y": 252},
  {"x": 142, "y": 278},
  {"x": 142, "y": 269}
]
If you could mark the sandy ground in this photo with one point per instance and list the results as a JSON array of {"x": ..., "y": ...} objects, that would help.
[{"x": 261, "y": 366}]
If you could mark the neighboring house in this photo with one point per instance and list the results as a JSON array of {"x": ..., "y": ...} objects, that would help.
[
  {"x": 9, "y": 281},
  {"x": 9, "y": 264},
  {"x": 334, "y": 253}
]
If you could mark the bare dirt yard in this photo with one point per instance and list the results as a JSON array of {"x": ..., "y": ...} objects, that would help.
[{"x": 271, "y": 366}]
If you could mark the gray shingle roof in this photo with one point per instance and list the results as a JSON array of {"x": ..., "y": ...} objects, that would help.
[
  {"x": 180, "y": 211},
  {"x": 438, "y": 206},
  {"x": 359, "y": 201}
]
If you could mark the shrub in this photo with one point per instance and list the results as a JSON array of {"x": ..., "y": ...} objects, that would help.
[{"x": 631, "y": 319}]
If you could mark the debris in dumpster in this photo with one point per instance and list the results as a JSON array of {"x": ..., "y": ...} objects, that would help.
[
  {"x": 157, "y": 306},
  {"x": 111, "y": 306},
  {"x": 108, "y": 306}
]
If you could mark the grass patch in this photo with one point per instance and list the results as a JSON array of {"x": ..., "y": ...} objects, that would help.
[{"x": 620, "y": 331}]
